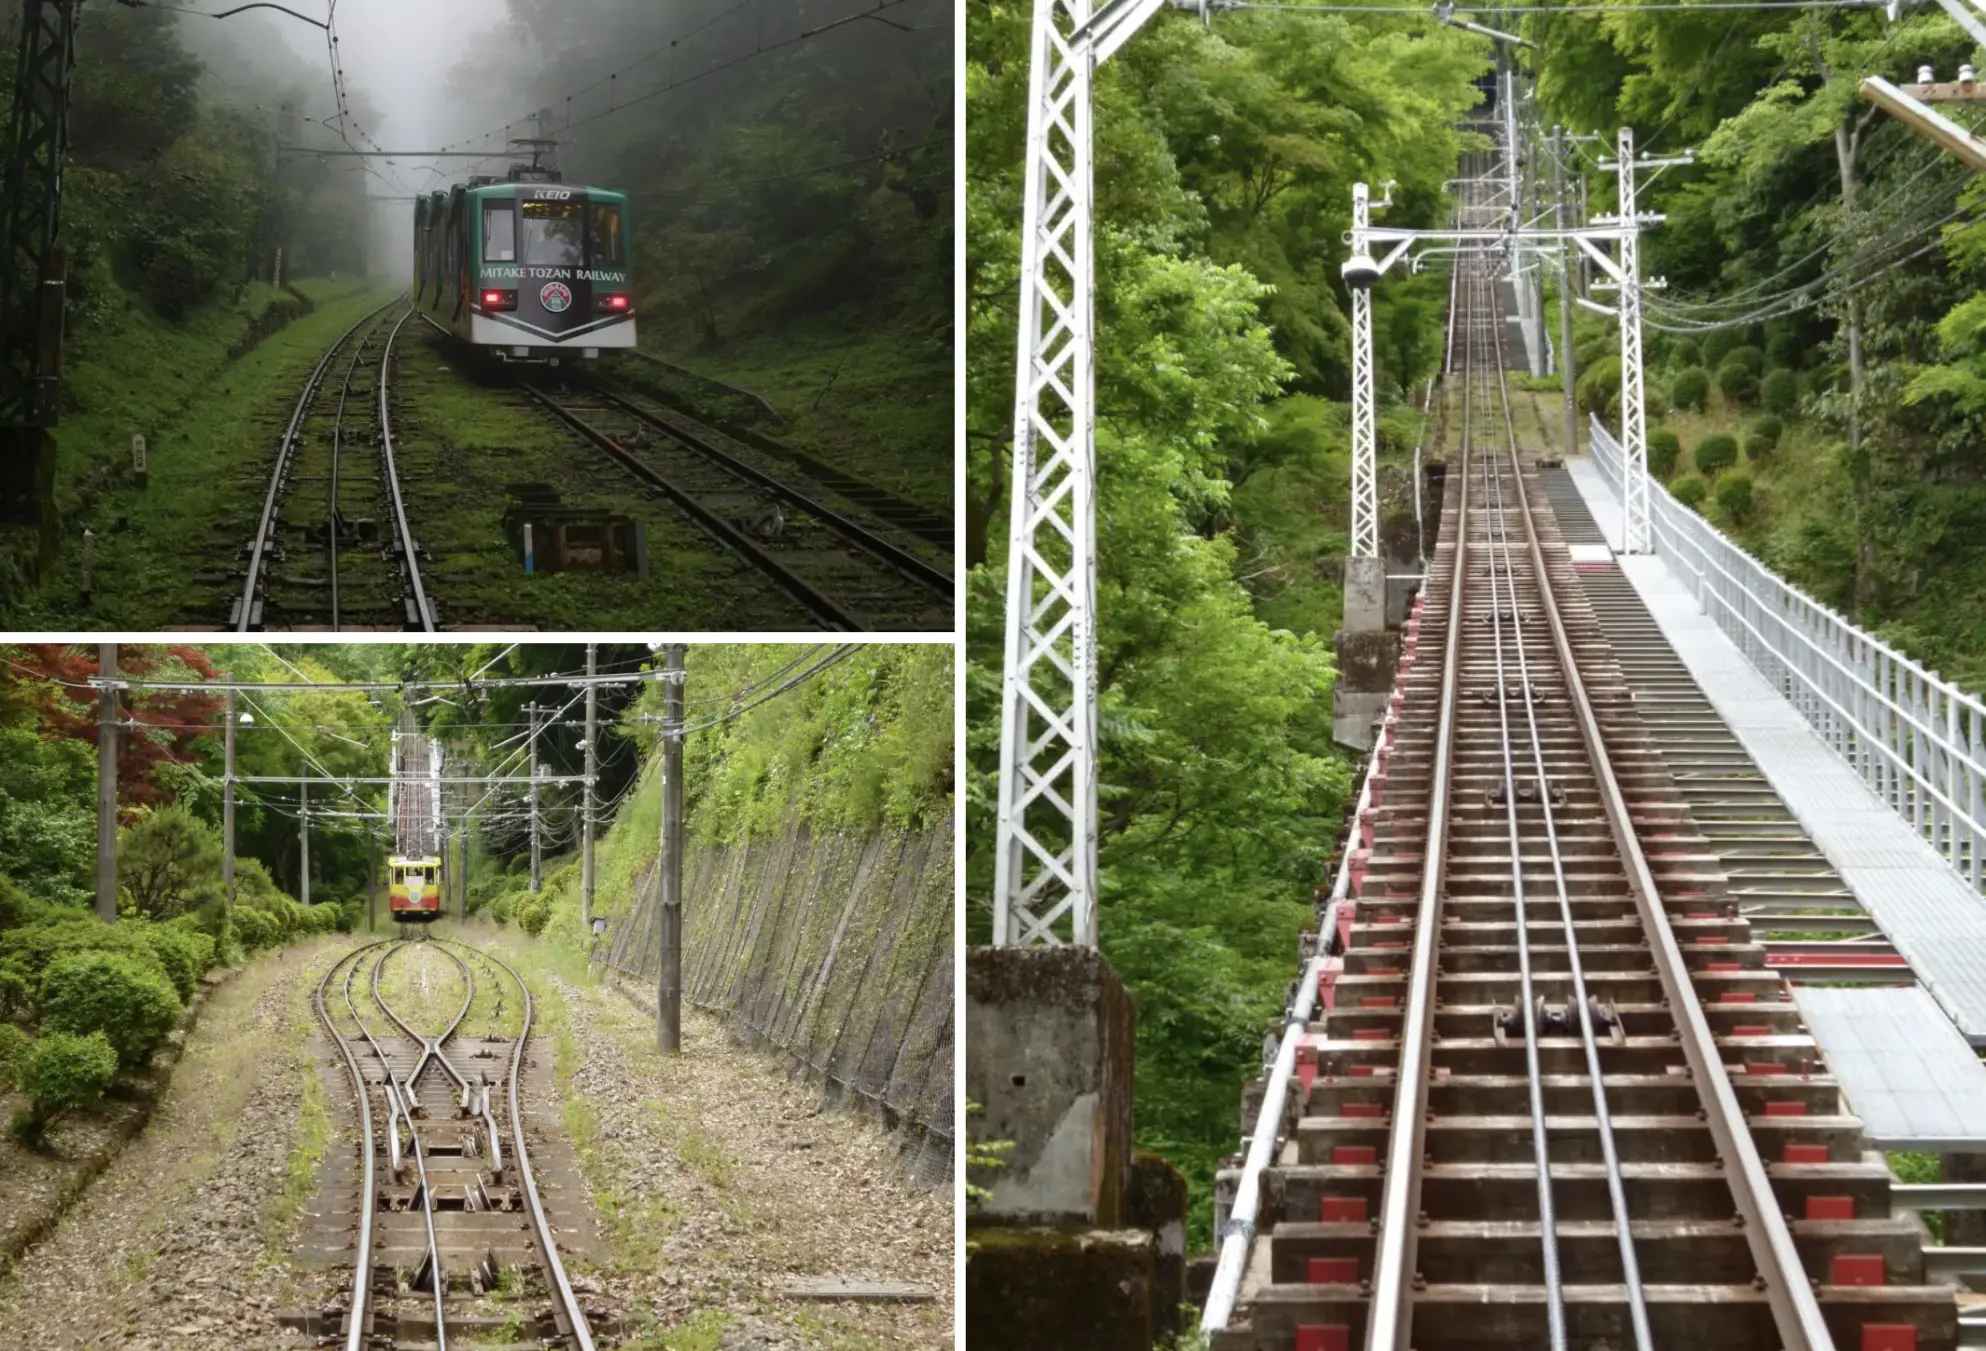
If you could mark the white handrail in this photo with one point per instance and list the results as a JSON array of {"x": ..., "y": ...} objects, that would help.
[{"x": 1917, "y": 740}]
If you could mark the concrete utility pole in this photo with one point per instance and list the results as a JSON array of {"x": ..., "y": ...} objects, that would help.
[
  {"x": 227, "y": 815},
  {"x": 669, "y": 867},
  {"x": 303, "y": 829},
  {"x": 537, "y": 853},
  {"x": 107, "y": 785},
  {"x": 1568, "y": 367},
  {"x": 586, "y": 800}
]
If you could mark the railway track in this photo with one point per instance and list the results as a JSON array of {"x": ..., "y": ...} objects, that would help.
[
  {"x": 846, "y": 571},
  {"x": 332, "y": 548},
  {"x": 1557, "y": 1098},
  {"x": 452, "y": 1242}
]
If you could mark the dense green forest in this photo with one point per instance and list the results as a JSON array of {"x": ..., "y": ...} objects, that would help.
[{"x": 1816, "y": 375}]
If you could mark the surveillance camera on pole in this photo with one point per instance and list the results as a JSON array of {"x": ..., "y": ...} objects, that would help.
[{"x": 1360, "y": 271}]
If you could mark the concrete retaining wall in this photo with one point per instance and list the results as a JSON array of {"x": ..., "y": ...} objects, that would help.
[{"x": 836, "y": 949}]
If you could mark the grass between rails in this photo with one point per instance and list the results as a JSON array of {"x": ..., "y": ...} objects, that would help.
[{"x": 466, "y": 444}]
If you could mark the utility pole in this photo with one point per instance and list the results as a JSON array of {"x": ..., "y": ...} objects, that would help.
[
  {"x": 1568, "y": 366},
  {"x": 107, "y": 784},
  {"x": 33, "y": 267},
  {"x": 227, "y": 815},
  {"x": 1365, "y": 491},
  {"x": 669, "y": 867},
  {"x": 537, "y": 854},
  {"x": 586, "y": 801},
  {"x": 371, "y": 880},
  {"x": 303, "y": 829}
]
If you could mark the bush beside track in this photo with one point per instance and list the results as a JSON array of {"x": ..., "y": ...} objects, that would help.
[{"x": 81, "y": 1000}]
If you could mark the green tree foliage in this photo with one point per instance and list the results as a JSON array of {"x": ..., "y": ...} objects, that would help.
[
  {"x": 1737, "y": 381},
  {"x": 1599, "y": 385},
  {"x": 1780, "y": 391},
  {"x": 1715, "y": 452},
  {"x": 1734, "y": 496},
  {"x": 107, "y": 992},
  {"x": 1750, "y": 358},
  {"x": 169, "y": 864},
  {"x": 60, "y": 1073},
  {"x": 1690, "y": 388},
  {"x": 1664, "y": 447},
  {"x": 1689, "y": 490}
]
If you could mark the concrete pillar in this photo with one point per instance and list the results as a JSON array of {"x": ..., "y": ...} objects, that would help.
[
  {"x": 1158, "y": 1207},
  {"x": 1030, "y": 1288},
  {"x": 1049, "y": 1055}
]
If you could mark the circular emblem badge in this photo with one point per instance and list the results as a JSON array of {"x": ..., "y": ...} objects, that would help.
[{"x": 556, "y": 298}]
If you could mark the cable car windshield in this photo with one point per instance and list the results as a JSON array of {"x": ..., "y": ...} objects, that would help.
[
  {"x": 605, "y": 235},
  {"x": 554, "y": 234}
]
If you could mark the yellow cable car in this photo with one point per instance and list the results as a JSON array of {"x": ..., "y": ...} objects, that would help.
[{"x": 415, "y": 893}]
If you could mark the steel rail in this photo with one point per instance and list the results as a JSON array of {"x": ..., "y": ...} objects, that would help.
[
  {"x": 713, "y": 524},
  {"x": 403, "y": 1107},
  {"x": 430, "y": 1046},
  {"x": 331, "y": 498},
  {"x": 1796, "y": 1312},
  {"x": 1589, "y": 1040},
  {"x": 1527, "y": 992},
  {"x": 285, "y": 452},
  {"x": 355, "y": 1338},
  {"x": 567, "y": 1299},
  {"x": 909, "y": 564},
  {"x": 408, "y": 557},
  {"x": 1390, "y": 1311},
  {"x": 1644, "y": 1337}
]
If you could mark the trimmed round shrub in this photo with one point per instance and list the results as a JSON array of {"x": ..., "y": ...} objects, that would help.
[
  {"x": 1759, "y": 447},
  {"x": 61, "y": 1072},
  {"x": 1750, "y": 358},
  {"x": 1599, "y": 385},
  {"x": 1734, "y": 496},
  {"x": 1720, "y": 343},
  {"x": 185, "y": 954},
  {"x": 1738, "y": 381},
  {"x": 1780, "y": 391},
  {"x": 533, "y": 915},
  {"x": 1689, "y": 490},
  {"x": 1690, "y": 388},
  {"x": 1686, "y": 352},
  {"x": 253, "y": 929},
  {"x": 1783, "y": 350},
  {"x": 1767, "y": 426},
  {"x": 106, "y": 992},
  {"x": 1663, "y": 449},
  {"x": 1715, "y": 452},
  {"x": 503, "y": 907},
  {"x": 1654, "y": 402},
  {"x": 32, "y": 947}
]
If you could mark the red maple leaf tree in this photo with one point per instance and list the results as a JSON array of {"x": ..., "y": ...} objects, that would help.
[{"x": 48, "y": 684}]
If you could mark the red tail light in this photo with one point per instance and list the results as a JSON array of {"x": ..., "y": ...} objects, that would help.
[
  {"x": 499, "y": 300},
  {"x": 616, "y": 304}
]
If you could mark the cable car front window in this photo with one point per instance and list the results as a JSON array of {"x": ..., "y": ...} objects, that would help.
[
  {"x": 606, "y": 235},
  {"x": 554, "y": 234}
]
